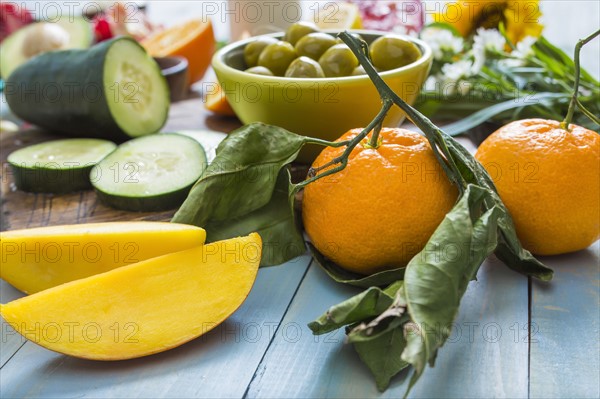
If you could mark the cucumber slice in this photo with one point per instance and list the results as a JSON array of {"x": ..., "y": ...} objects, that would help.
[
  {"x": 135, "y": 83},
  {"x": 152, "y": 173},
  {"x": 13, "y": 55},
  {"x": 208, "y": 139},
  {"x": 59, "y": 166},
  {"x": 114, "y": 90}
]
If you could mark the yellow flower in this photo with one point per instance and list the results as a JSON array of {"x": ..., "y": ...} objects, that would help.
[{"x": 521, "y": 18}]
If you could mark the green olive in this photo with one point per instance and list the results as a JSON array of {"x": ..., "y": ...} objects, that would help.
[
  {"x": 314, "y": 45},
  {"x": 359, "y": 70},
  {"x": 259, "y": 70},
  {"x": 254, "y": 48},
  {"x": 298, "y": 30},
  {"x": 277, "y": 57},
  {"x": 355, "y": 35},
  {"x": 304, "y": 67},
  {"x": 338, "y": 61},
  {"x": 390, "y": 52}
]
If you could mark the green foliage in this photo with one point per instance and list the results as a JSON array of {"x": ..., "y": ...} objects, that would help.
[
  {"x": 246, "y": 189},
  {"x": 535, "y": 82}
]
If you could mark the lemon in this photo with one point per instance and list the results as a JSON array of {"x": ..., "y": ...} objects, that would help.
[{"x": 338, "y": 16}]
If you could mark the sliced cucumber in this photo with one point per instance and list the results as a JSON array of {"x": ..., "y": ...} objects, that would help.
[
  {"x": 59, "y": 166},
  {"x": 114, "y": 90},
  {"x": 208, "y": 139},
  {"x": 14, "y": 53},
  {"x": 152, "y": 173},
  {"x": 137, "y": 93}
]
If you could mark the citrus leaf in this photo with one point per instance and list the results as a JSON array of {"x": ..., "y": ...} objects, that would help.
[
  {"x": 274, "y": 222},
  {"x": 509, "y": 250},
  {"x": 435, "y": 279},
  {"x": 367, "y": 304},
  {"x": 245, "y": 190},
  {"x": 362, "y": 332},
  {"x": 383, "y": 356},
  {"x": 242, "y": 176},
  {"x": 394, "y": 316},
  {"x": 344, "y": 276}
]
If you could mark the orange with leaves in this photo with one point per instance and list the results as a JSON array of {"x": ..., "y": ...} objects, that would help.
[
  {"x": 549, "y": 179},
  {"x": 381, "y": 210}
]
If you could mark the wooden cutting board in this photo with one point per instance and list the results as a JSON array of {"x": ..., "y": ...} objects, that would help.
[{"x": 23, "y": 210}]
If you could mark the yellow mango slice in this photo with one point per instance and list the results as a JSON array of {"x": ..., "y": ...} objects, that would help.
[
  {"x": 36, "y": 259},
  {"x": 144, "y": 308}
]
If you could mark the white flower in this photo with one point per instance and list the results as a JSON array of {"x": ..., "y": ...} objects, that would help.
[
  {"x": 524, "y": 50},
  {"x": 489, "y": 40},
  {"x": 511, "y": 63},
  {"x": 453, "y": 76},
  {"x": 457, "y": 70},
  {"x": 486, "y": 40},
  {"x": 431, "y": 84},
  {"x": 519, "y": 56},
  {"x": 441, "y": 41},
  {"x": 478, "y": 60}
]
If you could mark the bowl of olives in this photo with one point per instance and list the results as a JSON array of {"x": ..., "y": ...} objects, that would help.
[{"x": 309, "y": 82}]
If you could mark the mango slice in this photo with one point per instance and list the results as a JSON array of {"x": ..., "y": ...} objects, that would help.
[
  {"x": 33, "y": 260},
  {"x": 144, "y": 308}
]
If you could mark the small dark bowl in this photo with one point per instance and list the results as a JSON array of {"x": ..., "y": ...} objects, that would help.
[{"x": 175, "y": 70}]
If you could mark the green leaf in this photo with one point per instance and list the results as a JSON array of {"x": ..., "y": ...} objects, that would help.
[
  {"x": 509, "y": 250},
  {"x": 542, "y": 44},
  {"x": 242, "y": 176},
  {"x": 555, "y": 67},
  {"x": 507, "y": 88},
  {"x": 243, "y": 190},
  {"x": 488, "y": 113},
  {"x": 445, "y": 26},
  {"x": 512, "y": 254},
  {"x": 274, "y": 222},
  {"x": 383, "y": 356},
  {"x": 394, "y": 316},
  {"x": 344, "y": 276},
  {"x": 437, "y": 277},
  {"x": 367, "y": 304}
]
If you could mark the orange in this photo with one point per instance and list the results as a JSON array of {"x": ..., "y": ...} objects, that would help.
[
  {"x": 216, "y": 101},
  {"x": 549, "y": 179},
  {"x": 194, "y": 40},
  {"x": 381, "y": 210}
]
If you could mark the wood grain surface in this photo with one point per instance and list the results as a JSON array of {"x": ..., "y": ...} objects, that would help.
[
  {"x": 23, "y": 210},
  {"x": 221, "y": 363},
  {"x": 512, "y": 339}
]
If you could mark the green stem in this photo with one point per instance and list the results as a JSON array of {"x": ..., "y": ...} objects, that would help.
[
  {"x": 342, "y": 160},
  {"x": 325, "y": 143},
  {"x": 374, "y": 141},
  {"x": 567, "y": 121},
  {"x": 587, "y": 112},
  {"x": 432, "y": 132}
]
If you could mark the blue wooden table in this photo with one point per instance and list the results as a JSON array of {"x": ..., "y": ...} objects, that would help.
[{"x": 513, "y": 338}]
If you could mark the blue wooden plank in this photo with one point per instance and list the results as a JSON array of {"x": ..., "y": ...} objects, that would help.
[
  {"x": 11, "y": 340},
  {"x": 218, "y": 364},
  {"x": 482, "y": 358},
  {"x": 565, "y": 316}
]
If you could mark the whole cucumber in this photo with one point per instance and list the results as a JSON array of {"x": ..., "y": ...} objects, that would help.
[{"x": 114, "y": 90}]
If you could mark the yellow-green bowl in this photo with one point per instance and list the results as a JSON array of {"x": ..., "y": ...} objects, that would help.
[{"x": 324, "y": 108}]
